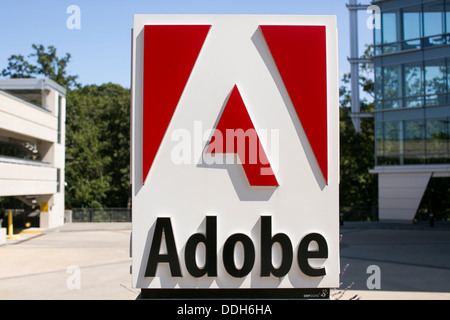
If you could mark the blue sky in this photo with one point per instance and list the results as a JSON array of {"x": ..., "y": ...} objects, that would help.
[{"x": 101, "y": 49}]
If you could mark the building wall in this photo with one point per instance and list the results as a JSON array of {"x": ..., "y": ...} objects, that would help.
[
  {"x": 42, "y": 175},
  {"x": 412, "y": 101},
  {"x": 22, "y": 118}
]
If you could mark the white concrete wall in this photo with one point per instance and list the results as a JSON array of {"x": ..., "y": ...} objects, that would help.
[
  {"x": 21, "y": 118},
  {"x": 18, "y": 179},
  {"x": 2, "y": 236},
  {"x": 401, "y": 189},
  {"x": 400, "y": 195}
]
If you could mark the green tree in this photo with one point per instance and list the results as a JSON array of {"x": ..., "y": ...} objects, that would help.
[
  {"x": 116, "y": 118},
  {"x": 86, "y": 178},
  {"x": 97, "y": 146},
  {"x": 18, "y": 67},
  {"x": 46, "y": 64},
  {"x": 436, "y": 200},
  {"x": 358, "y": 187}
]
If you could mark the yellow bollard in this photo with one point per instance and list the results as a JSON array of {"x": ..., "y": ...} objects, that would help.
[{"x": 10, "y": 223}]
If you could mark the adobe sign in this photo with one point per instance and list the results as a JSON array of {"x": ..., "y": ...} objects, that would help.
[{"x": 235, "y": 152}]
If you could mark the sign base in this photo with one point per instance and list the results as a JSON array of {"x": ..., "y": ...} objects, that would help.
[{"x": 268, "y": 294}]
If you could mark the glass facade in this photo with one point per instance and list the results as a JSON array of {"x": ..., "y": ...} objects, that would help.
[
  {"x": 412, "y": 84},
  {"x": 417, "y": 141},
  {"x": 414, "y": 27}
]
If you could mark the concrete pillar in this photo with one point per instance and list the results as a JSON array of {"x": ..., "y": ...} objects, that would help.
[
  {"x": 400, "y": 195},
  {"x": 50, "y": 100},
  {"x": 55, "y": 154},
  {"x": 354, "y": 55},
  {"x": 2, "y": 236},
  {"x": 59, "y": 163},
  {"x": 52, "y": 211}
]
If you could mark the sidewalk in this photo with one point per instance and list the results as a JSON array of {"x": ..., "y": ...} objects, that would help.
[{"x": 30, "y": 233}]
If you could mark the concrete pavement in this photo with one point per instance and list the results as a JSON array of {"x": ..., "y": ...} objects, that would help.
[
  {"x": 408, "y": 259},
  {"x": 91, "y": 261},
  {"x": 393, "y": 295},
  {"x": 76, "y": 261}
]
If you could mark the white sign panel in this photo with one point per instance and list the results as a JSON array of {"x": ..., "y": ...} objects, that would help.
[{"x": 235, "y": 152}]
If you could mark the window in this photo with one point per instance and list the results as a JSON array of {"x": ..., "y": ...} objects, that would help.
[
  {"x": 393, "y": 136},
  {"x": 389, "y": 27},
  {"x": 412, "y": 27},
  {"x": 447, "y": 17},
  {"x": 437, "y": 138},
  {"x": 59, "y": 118},
  {"x": 433, "y": 19},
  {"x": 58, "y": 180},
  {"x": 435, "y": 82},
  {"x": 414, "y": 142},
  {"x": 413, "y": 85},
  {"x": 389, "y": 31},
  {"x": 378, "y": 83},
  {"x": 377, "y": 31},
  {"x": 379, "y": 138},
  {"x": 391, "y": 86},
  {"x": 448, "y": 77}
]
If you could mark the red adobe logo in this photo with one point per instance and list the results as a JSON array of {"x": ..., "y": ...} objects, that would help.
[{"x": 299, "y": 52}]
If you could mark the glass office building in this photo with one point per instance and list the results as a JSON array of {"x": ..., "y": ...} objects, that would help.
[
  {"x": 412, "y": 83},
  {"x": 412, "y": 101}
]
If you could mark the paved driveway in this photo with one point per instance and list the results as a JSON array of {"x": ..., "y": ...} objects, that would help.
[
  {"x": 406, "y": 259},
  {"x": 89, "y": 261}
]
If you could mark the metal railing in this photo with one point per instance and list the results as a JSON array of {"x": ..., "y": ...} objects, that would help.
[{"x": 101, "y": 215}]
